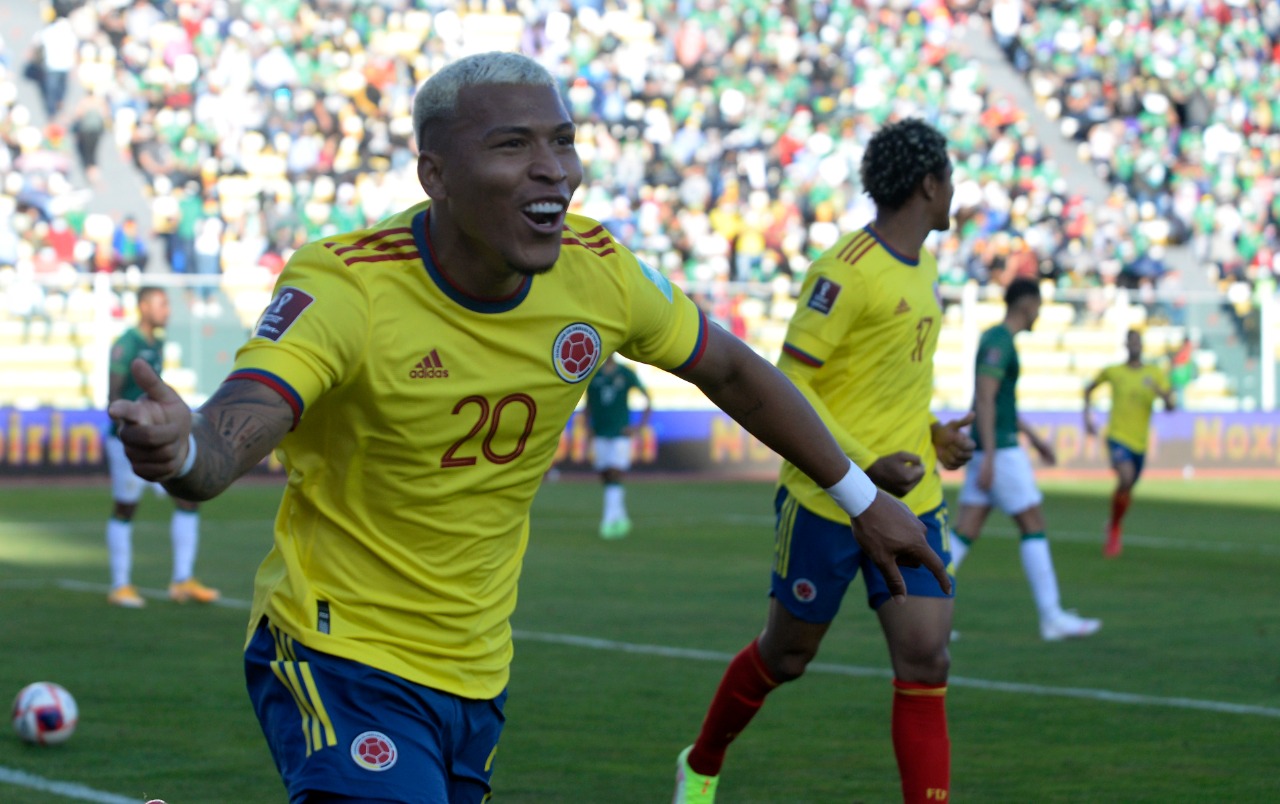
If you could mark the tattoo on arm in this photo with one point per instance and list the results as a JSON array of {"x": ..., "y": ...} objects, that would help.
[{"x": 238, "y": 427}]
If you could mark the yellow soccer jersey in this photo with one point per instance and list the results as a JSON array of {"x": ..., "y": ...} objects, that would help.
[
  {"x": 860, "y": 346},
  {"x": 425, "y": 420},
  {"x": 1133, "y": 392}
]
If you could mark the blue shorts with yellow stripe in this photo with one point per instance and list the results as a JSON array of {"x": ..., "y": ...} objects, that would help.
[
  {"x": 340, "y": 727},
  {"x": 1122, "y": 454},
  {"x": 815, "y": 560}
]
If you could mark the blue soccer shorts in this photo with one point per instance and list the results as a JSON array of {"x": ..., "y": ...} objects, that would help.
[
  {"x": 341, "y": 727},
  {"x": 1122, "y": 454},
  {"x": 815, "y": 559}
]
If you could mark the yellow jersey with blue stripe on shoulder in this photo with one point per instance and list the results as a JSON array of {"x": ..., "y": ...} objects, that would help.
[
  {"x": 424, "y": 422},
  {"x": 860, "y": 346}
]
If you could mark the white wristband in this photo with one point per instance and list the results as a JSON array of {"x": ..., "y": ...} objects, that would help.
[
  {"x": 190, "y": 462},
  {"x": 855, "y": 492}
]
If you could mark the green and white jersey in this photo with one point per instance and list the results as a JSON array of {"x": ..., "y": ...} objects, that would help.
[
  {"x": 130, "y": 345},
  {"x": 607, "y": 400},
  {"x": 998, "y": 358}
]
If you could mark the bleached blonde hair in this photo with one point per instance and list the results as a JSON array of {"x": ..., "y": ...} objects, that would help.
[{"x": 437, "y": 100}]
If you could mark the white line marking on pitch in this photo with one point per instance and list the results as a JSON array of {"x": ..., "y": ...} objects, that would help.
[
  {"x": 877, "y": 672},
  {"x": 65, "y": 789},
  {"x": 593, "y": 643},
  {"x": 1204, "y": 545}
]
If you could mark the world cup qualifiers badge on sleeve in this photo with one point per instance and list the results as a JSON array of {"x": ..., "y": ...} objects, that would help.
[
  {"x": 824, "y": 295},
  {"x": 283, "y": 311}
]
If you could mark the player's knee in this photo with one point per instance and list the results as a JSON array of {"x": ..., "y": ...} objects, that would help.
[
  {"x": 791, "y": 664},
  {"x": 925, "y": 666},
  {"x": 124, "y": 511}
]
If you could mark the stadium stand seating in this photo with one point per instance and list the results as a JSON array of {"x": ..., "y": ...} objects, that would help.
[{"x": 704, "y": 144}]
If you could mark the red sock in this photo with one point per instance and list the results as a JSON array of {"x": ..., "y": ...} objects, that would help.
[
  {"x": 920, "y": 741},
  {"x": 1119, "y": 504},
  {"x": 738, "y": 698}
]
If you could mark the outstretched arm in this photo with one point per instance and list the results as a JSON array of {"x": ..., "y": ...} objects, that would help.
[
  {"x": 763, "y": 401},
  {"x": 230, "y": 434}
]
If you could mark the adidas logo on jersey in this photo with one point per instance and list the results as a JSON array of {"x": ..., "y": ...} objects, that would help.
[
  {"x": 902, "y": 307},
  {"x": 429, "y": 367}
]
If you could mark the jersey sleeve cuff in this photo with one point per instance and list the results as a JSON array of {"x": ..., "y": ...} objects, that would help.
[
  {"x": 275, "y": 383},
  {"x": 699, "y": 346},
  {"x": 799, "y": 354}
]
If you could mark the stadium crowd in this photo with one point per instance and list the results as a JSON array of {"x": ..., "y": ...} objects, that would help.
[
  {"x": 1178, "y": 102},
  {"x": 720, "y": 139}
]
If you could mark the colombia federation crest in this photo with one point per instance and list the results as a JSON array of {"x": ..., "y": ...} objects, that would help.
[{"x": 576, "y": 352}]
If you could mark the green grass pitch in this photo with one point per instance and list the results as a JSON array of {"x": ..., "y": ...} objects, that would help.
[{"x": 620, "y": 644}]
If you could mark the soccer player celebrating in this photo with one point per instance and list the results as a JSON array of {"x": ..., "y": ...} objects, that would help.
[
  {"x": 609, "y": 417},
  {"x": 145, "y": 342},
  {"x": 1135, "y": 386},
  {"x": 860, "y": 347},
  {"x": 417, "y": 376},
  {"x": 1000, "y": 473}
]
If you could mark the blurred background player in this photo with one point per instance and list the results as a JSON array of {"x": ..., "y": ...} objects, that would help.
[
  {"x": 1000, "y": 474},
  {"x": 1135, "y": 387},
  {"x": 145, "y": 341},
  {"x": 860, "y": 348},
  {"x": 609, "y": 417}
]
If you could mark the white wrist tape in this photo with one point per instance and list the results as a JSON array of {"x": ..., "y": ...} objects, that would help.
[
  {"x": 190, "y": 462},
  {"x": 855, "y": 492}
]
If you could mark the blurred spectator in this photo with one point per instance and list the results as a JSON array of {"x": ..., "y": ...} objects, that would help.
[
  {"x": 1146, "y": 267},
  {"x": 128, "y": 247},
  {"x": 89, "y": 121},
  {"x": 51, "y": 60}
]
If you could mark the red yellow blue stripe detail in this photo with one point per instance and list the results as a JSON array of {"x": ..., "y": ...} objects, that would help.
[{"x": 275, "y": 383}]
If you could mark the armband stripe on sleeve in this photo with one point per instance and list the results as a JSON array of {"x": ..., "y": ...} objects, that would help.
[
  {"x": 699, "y": 346},
  {"x": 802, "y": 356},
  {"x": 284, "y": 389}
]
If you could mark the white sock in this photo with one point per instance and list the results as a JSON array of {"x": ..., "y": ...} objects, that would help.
[
  {"x": 119, "y": 551},
  {"x": 615, "y": 506},
  {"x": 1037, "y": 563},
  {"x": 958, "y": 551},
  {"x": 184, "y": 530}
]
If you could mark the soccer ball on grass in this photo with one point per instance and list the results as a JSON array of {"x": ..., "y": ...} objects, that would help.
[{"x": 44, "y": 713}]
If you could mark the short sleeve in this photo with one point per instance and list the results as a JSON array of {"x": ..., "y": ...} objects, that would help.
[
  {"x": 830, "y": 304},
  {"x": 994, "y": 354},
  {"x": 122, "y": 353},
  {"x": 313, "y": 332},
  {"x": 667, "y": 329}
]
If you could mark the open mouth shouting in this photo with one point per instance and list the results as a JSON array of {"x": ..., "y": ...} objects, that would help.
[{"x": 546, "y": 216}]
